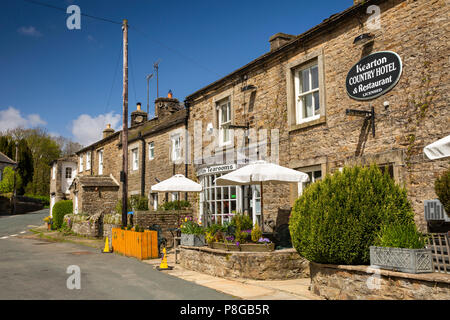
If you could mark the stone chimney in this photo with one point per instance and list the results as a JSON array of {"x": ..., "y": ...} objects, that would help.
[
  {"x": 108, "y": 131},
  {"x": 138, "y": 116},
  {"x": 166, "y": 106},
  {"x": 279, "y": 39}
]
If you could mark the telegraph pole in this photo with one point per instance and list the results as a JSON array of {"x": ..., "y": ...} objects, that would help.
[{"x": 124, "y": 175}]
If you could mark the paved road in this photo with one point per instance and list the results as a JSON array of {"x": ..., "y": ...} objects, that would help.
[
  {"x": 37, "y": 269},
  {"x": 10, "y": 225}
]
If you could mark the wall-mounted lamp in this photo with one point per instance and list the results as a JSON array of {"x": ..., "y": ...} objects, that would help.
[{"x": 363, "y": 38}]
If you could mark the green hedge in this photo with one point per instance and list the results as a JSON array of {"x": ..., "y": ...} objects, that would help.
[
  {"x": 44, "y": 199},
  {"x": 175, "y": 205},
  {"x": 336, "y": 219},
  {"x": 60, "y": 209}
]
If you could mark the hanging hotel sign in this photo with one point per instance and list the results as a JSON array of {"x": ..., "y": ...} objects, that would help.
[
  {"x": 374, "y": 75},
  {"x": 217, "y": 169}
]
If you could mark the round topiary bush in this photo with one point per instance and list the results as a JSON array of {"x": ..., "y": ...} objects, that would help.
[
  {"x": 60, "y": 209},
  {"x": 336, "y": 219}
]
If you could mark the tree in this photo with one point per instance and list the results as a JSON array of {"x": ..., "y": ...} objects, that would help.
[
  {"x": 7, "y": 183},
  {"x": 24, "y": 158}
]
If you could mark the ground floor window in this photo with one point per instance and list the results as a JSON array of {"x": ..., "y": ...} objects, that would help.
[
  {"x": 219, "y": 202},
  {"x": 314, "y": 173},
  {"x": 154, "y": 201}
]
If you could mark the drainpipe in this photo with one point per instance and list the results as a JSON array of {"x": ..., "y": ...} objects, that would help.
[
  {"x": 142, "y": 164},
  {"x": 187, "y": 105}
]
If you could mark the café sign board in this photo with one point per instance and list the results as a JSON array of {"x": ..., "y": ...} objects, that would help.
[
  {"x": 217, "y": 169},
  {"x": 374, "y": 75}
]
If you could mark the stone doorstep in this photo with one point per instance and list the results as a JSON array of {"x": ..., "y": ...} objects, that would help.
[{"x": 294, "y": 289}]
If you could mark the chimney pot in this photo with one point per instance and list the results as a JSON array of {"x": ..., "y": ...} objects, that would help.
[
  {"x": 279, "y": 39},
  {"x": 170, "y": 95},
  {"x": 138, "y": 106}
]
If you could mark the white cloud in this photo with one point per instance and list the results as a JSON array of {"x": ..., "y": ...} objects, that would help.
[
  {"x": 29, "y": 31},
  {"x": 11, "y": 118},
  {"x": 87, "y": 129}
]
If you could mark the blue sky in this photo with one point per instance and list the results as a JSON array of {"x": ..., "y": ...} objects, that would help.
[{"x": 70, "y": 81}]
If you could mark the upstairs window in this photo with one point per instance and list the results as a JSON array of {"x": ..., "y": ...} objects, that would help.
[
  {"x": 81, "y": 163},
  {"x": 54, "y": 172},
  {"x": 176, "y": 148},
  {"x": 224, "y": 117},
  {"x": 307, "y": 93},
  {"x": 135, "y": 159},
  {"x": 88, "y": 160},
  {"x": 100, "y": 162},
  {"x": 151, "y": 150}
]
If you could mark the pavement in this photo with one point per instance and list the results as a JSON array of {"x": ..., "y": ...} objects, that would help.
[{"x": 247, "y": 289}]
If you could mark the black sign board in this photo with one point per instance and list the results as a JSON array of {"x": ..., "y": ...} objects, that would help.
[{"x": 373, "y": 75}]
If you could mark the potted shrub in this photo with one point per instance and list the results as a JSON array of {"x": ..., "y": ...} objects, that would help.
[
  {"x": 192, "y": 234},
  {"x": 401, "y": 248}
]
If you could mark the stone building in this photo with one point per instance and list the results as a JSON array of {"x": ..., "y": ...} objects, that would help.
[
  {"x": 155, "y": 153},
  {"x": 63, "y": 171},
  {"x": 297, "y": 93}
]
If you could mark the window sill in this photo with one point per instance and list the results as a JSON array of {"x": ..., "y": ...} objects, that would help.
[{"x": 307, "y": 124}]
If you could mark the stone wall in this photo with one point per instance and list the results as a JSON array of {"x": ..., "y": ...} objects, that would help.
[
  {"x": 165, "y": 219},
  {"x": 89, "y": 226},
  {"x": 274, "y": 265},
  {"x": 335, "y": 282}
]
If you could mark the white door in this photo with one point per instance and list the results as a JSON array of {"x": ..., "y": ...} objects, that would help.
[
  {"x": 76, "y": 203},
  {"x": 256, "y": 204},
  {"x": 52, "y": 203}
]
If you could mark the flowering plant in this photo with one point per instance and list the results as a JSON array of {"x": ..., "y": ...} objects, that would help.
[{"x": 264, "y": 240}]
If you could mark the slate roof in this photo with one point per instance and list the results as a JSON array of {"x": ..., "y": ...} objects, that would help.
[
  {"x": 5, "y": 159},
  {"x": 95, "y": 181}
]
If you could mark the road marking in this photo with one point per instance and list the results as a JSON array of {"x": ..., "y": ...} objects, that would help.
[
  {"x": 6, "y": 237},
  {"x": 14, "y": 235},
  {"x": 22, "y": 232}
]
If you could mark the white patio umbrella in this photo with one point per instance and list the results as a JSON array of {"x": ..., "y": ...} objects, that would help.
[
  {"x": 177, "y": 183},
  {"x": 261, "y": 172},
  {"x": 438, "y": 149}
]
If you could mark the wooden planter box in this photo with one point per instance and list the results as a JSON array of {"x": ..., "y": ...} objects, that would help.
[
  {"x": 141, "y": 245},
  {"x": 192, "y": 240},
  {"x": 257, "y": 247},
  {"x": 403, "y": 260},
  {"x": 246, "y": 247}
]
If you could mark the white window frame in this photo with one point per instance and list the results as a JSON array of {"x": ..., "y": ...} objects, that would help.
[
  {"x": 225, "y": 103},
  {"x": 309, "y": 171},
  {"x": 151, "y": 150},
  {"x": 100, "y": 161},
  {"x": 300, "y": 109},
  {"x": 135, "y": 159},
  {"x": 88, "y": 160},
  {"x": 81, "y": 163},
  {"x": 176, "y": 150},
  {"x": 154, "y": 197}
]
